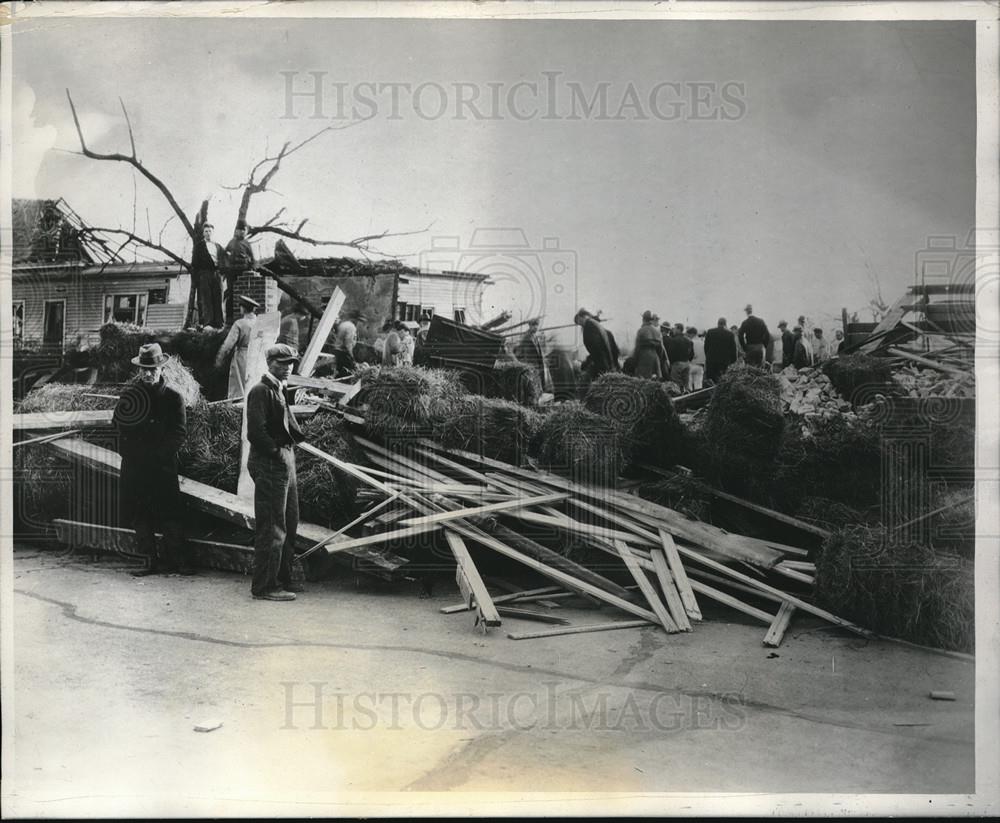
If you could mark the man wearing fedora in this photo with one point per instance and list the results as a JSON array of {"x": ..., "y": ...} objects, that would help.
[
  {"x": 273, "y": 433},
  {"x": 151, "y": 424}
]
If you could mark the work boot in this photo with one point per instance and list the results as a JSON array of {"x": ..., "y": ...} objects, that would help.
[{"x": 277, "y": 594}]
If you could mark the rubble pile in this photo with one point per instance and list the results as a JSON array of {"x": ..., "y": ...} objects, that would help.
[{"x": 920, "y": 382}]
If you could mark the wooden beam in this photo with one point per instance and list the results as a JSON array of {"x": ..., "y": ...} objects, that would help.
[
  {"x": 350, "y": 544},
  {"x": 506, "y": 598},
  {"x": 594, "y": 627},
  {"x": 45, "y": 438},
  {"x": 669, "y": 589},
  {"x": 220, "y": 503},
  {"x": 318, "y": 339},
  {"x": 888, "y": 322},
  {"x": 481, "y": 510},
  {"x": 732, "y": 602},
  {"x": 356, "y": 521},
  {"x": 471, "y": 585},
  {"x": 776, "y": 633},
  {"x": 646, "y": 588},
  {"x": 930, "y": 364},
  {"x": 42, "y": 421},
  {"x": 575, "y": 527},
  {"x": 732, "y": 584},
  {"x": 527, "y": 614},
  {"x": 684, "y": 587}
]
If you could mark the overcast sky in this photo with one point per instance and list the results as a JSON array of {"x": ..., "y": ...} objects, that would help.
[{"x": 820, "y": 155}]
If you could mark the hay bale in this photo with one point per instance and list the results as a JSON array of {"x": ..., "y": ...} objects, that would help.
[
  {"x": 829, "y": 514},
  {"x": 583, "y": 445},
  {"x": 858, "y": 377},
  {"x": 743, "y": 428},
  {"x": 55, "y": 397},
  {"x": 898, "y": 588},
  {"x": 642, "y": 409},
  {"x": 120, "y": 342},
  {"x": 211, "y": 451},
  {"x": 517, "y": 382},
  {"x": 327, "y": 496},
  {"x": 497, "y": 429},
  {"x": 405, "y": 401},
  {"x": 197, "y": 350}
]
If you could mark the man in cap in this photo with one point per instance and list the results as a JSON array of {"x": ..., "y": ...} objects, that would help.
[
  {"x": 754, "y": 337},
  {"x": 207, "y": 263},
  {"x": 238, "y": 341},
  {"x": 151, "y": 424},
  {"x": 273, "y": 432},
  {"x": 239, "y": 259},
  {"x": 787, "y": 344}
]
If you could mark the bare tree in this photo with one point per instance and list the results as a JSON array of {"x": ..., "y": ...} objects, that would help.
[{"x": 257, "y": 182}]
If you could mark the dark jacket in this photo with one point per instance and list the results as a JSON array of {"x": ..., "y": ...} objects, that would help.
[
  {"x": 787, "y": 347},
  {"x": 269, "y": 428},
  {"x": 680, "y": 349},
  {"x": 289, "y": 332},
  {"x": 152, "y": 424},
  {"x": 239, "y": 254},
  {"x": 754, "y": 331},
  {"x": 720, "y": 347},
  {"x": 601, "y": 348}
]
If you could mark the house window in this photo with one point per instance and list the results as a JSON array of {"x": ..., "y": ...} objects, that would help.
[
  {"x": 401, "y": 311},
  {"x": 157, "y": 296},
  {"x": 460, "y": 316},
  {"x": 125, "y": 308},
  {"x": 412, "y": 312},
  {"x": 17, "y": 324}
]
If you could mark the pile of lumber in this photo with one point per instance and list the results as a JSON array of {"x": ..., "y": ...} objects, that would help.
[
  {"x": 648, "y": 562},
  {"x": 922, "y": 382}
]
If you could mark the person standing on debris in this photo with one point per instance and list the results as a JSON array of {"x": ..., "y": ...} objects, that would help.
[
  {"x": 602, "y": 350},
  {"x": 680, "y": 352},
  {"x": 839, "y": 341},
  {"x": 289, "y": 330},
  {"x": 273, "y": 432},
  {"x": 151, "y": 424},
  {"x": 697, "y": 374},
  {"x": 649, "y": 354},
  {"x": 821, "y": 346},
  {"x": 787, "y": 344},
  {"x": 344, "y": 342},
  {"x": 803, "y": 356},
  {"x": 531, "y": 350},
  {"x": 208, "y": 261},
  {"x": 239, "y": 259},
  {"x": 754, "y": 337},
  {"x": 720, "y": 350},
  {"x": 237, "y": 342}
]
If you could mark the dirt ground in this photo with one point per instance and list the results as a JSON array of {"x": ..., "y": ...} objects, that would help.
[{"x": 359, "y": 687}]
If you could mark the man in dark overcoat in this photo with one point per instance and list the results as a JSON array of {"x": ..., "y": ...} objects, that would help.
[{"x": 151, "y": 423}]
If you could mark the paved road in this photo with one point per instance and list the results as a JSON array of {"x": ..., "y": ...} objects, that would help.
[{"x": 362, "y": 688}]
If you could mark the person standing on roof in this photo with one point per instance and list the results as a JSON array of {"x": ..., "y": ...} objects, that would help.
[
  {"x": 239, "y": 259},
  {"x": 208, "y": 261},
  {"x": 754, "y": 337}
]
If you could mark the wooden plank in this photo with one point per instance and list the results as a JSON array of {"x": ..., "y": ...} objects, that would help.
[
  {"x": 669, "y": 589},
  {"x": 733, "y": 546},
  {"x": 776, "y": 633},
  {"x": 44, "y": 438},
  {"x": 481, "y": 510},
  {"x": 220, "y": 503},
  {"x": 506, "y": 598},
  {"x": 646, "y": 588},
  {"x": 576, "y": 527},
  {"x": 886, "y": 324},
  {"x": 527, "y": 614},
  {"x": 684, "y": 587},
  {"x": 43, "y": 421},
  {"x": 403, "y": 461},
  {"x": 356, "y": 521},
  {"x": 471, "y": 584},
  {"x": 732, "y": 584},
  {"x": 381, "y": 538},
  {"x": 322, "y": 331},
  {"x": 930, "y": 364},
  {"x": 594, "y": 627},
  {"x": 732, "y": 602},
  {"x": 793, "y": 574}
]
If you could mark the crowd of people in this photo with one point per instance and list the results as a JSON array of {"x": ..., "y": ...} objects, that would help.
[{"x": 693, "y": 359}]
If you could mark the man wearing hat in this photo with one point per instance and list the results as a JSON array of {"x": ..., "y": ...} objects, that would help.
[
  {"x": 151, "y": 424},
  {"x": 531, "y": 350},
  {"x": 650, "y": 356},
  {"x": 239, "y": 259},
  {"x": 787, "y": 344},
  {"x": 238, "y": 342},
  {"x": 273, "y": 432},
  {"x": 602, "y": 350},
  {"x": 720, "y": 350},
  {"x": 754, "y": 336}
]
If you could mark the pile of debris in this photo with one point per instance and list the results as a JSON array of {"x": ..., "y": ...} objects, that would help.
[
  {"x": 810, "y": 393},
  {"x": 920, "y": 382}
]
